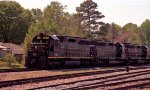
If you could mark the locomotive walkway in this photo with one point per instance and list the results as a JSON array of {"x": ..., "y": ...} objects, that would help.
[{"x": 114, "y": 79}]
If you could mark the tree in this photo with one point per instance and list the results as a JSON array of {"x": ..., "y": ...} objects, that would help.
[
  {"x": 145, "y": 32},
  {"x": 66, "y": 23},
  {"x": 55, "y": 13},
  {"x": 103, "y": 31},
  {"x": 71, "y": 26},
  {"x": 90, "y": 17},
  {"x": 37, "y": 14},
  {"x": 131, "y": 33},
  {"x": 23, "y": 26},
  {"x": 110, "y": 32},
  {"x": 14, "y": 22}
]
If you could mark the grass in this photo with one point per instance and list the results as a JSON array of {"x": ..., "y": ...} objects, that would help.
[{"x": 5, "y": 65}]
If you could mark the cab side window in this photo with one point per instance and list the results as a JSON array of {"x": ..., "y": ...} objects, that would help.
[{"x": 52, "y": 48}]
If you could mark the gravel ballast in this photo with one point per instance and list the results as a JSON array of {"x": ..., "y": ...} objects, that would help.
[{"x": 115, "y": 80}]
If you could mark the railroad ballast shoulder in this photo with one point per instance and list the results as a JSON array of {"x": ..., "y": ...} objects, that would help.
[{"x": 52, "y": 51}]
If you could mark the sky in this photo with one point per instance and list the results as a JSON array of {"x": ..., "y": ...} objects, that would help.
[{"x": 118, "y": 11}]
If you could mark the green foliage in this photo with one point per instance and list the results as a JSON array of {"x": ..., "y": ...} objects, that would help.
[
  {"x": 37, "y": 15},
  {"x": 103, "y": 32},
  {"x": 129, "y": 33},
  {"x": 132, "y": 33},
  {"x": 145, "y": 32},
  {"x": 55, "y": 13},
  {"x": 115, "y": 29},
  {"x": 3, "y": 64},
  {"x": 9, "y": 62},
  {"x": 14, "y": 21},
  {"x": 16, "y": 65},
  {"x": 110, "y": 32},
  {"x": 65, "y": 23},
  {"x": 6, "y": 65},
  {"x": 54, "y": 21},
  {"x": 9, "y": 58},
  {"x": 89, "y": 16}
]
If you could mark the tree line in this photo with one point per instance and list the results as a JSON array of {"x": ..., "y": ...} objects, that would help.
[{"x": 19, "y": 25}]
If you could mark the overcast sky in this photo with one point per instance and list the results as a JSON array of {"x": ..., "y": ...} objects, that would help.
[{"x": 117, "y": 11}]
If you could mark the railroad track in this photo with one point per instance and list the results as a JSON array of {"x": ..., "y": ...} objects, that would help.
[
  {"x": 29, "y": 69},
  {"x": 101, "y": 81},
  {"x": 109, "y": 81},
  {"x": 17, "y": 70},
  {"x": 48, "y": 78},
  {"x": 67, "y": 76}
]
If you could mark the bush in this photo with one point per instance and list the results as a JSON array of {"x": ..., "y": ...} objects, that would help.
[
  {"x": 9, "y": 58},
  {"x": 16, "y": 65},
  {"x": 10, "y": 62},
  {"x": 3, "y": 64}
]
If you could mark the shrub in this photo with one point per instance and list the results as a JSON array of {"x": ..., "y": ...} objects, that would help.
[
  {"x": 9, "y": 59},
  {"x": 10, "y": 62},
  {"x": 16, "y": 65}
]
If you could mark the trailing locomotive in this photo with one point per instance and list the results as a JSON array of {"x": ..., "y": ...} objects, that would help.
[{"x": 56, "y": 51}]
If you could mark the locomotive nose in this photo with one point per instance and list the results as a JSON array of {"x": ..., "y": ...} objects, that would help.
[{"x": 36, "y": 56}]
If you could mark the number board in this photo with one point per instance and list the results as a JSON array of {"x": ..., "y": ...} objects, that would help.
[
  {"x": 38, "y": 37},
  {"x": 43, "y": 38}
]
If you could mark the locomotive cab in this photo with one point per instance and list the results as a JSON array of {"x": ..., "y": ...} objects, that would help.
[
  {"x": 54, "y": 46},
  {"x": 119, "y": 50}
]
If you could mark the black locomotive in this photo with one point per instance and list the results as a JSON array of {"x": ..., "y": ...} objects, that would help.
[{"x": 56, "y": 51}]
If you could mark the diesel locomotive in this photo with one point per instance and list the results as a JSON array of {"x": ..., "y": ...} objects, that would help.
[{"x": 57, "y": 51}]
